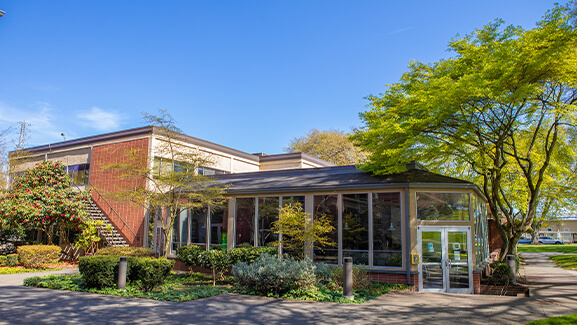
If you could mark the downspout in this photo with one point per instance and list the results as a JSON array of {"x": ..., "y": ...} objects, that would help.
[{"x": 408, "y": 235}]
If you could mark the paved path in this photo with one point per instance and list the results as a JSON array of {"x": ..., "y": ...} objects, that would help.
[{"x": 554, "y": 293}]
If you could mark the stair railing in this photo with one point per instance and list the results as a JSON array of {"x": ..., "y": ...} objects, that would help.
[{"x": 100, "y": 196}]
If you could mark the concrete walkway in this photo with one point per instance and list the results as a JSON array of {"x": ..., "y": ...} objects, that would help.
[{"x": 554, "y": 293}]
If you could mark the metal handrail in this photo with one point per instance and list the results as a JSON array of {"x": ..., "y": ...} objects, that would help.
[{"x": 111, "y": 208}]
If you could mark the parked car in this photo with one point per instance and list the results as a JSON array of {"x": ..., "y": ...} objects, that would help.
[
  {"x": 550, "y": 240},
  {"x": 524, "y": 240}
]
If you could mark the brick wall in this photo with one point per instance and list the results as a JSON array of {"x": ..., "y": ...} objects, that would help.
[
  {"x": 395, "y": 278},
  {"x": 476, "y": 283},
  {"x": 107, "y": 182}
]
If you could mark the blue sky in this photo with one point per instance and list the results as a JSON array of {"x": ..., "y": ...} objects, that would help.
[{"x": 250, "y": 75}]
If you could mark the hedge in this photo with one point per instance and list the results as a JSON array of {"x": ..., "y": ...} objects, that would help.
[
  {"x": 35, "y": 256},
  {"x": 102, "y": 271},
  {"x": 125, "y": 251}
]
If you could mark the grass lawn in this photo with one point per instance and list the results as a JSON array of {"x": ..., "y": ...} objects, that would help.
[
  {"x": 568, "y": 262},
  {"x": 186, "y": 287},
  {"x": 567, "y": 248},
  {"x": 14, "y": 270},
  {"x": 570, "y": 319}
]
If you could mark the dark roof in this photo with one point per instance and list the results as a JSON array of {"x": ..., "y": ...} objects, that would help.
[{"x": 332, "y": 179}]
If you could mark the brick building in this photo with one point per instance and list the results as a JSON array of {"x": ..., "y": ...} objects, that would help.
[{"x": 417, "y": 227}]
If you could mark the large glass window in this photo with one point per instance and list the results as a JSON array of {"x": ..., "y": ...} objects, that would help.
[
  {"x": 387, "y": 235},
  {"x": 218, "y": 225},
  {"x": 198, "y": 227},
  {"x": 326, "y": 205},
  {"x": 180, "y": 230},
  {"x": 267, "y": 214},
  {"x": 293, "y": 200},
  {"x": 355, "y": 227},
  {"x": 245, "y": 210},
  {"x": 442, "y": 206},
  {"x": 481, "y": 233}
]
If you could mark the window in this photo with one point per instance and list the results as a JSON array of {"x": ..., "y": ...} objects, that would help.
[
  {"x": 481, "y": 232},
  {"x": 327, "y": 205},
  {"x": 267, "y": 214},
  {"x": 198, "y": 224},
  {"x": 79, "y": 174},
  {"x": 218, "y": 226},
  {"x": 442, "y": 206},
  {"x": 244, "y": 229},
  {"x": 206, "y": 171},
  {"x": 566, "y": 229},
  {"x": 355, "y": 227},
  {"x": 549, "y": 229},
  {"x": 180, "y": 230},
  {"x": 387, "y": 235}
]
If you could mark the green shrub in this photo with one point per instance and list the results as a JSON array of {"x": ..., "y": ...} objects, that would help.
[
  {"x": 102, "y": 271},
  {"x": 324, "y": 272},
  {"x": 189, "y": 254},
  {"x": 269, "y": 275},
  {"x": 99, "y": 271},
  {"x": 501, "y": 273},
  {"x": 150, "y": 271},
  {"x": 361, "y": 279},
  {"x": 249, "y": 254},
  {"x": 216, "y": 260},
  {"x": 12, "y": 260},
  {"x": 35, "y": 256},
  {"x": 125, "y": 251},
  {"x": 3, "y": 260}
]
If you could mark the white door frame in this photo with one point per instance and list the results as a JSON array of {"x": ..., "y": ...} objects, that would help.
[{"x": 444, "y": 241}]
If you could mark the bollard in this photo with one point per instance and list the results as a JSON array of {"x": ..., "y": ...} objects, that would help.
[
  {"x": 348, "y": 278},
  {"x": 512, "y": 262},
  {"x": 122, "y": 264}
]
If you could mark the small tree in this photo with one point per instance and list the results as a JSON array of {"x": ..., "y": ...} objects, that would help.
[
  {"x": 42, "y": 199},
  {"x": 173, "y": 184},
  {"x": 299, "y": 232}
]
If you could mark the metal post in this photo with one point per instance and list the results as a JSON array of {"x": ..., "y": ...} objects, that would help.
[
  {"x": 512, "y": 262},
  {"x": 122, "y": 264},
  {"x": 348, "y": 278}
]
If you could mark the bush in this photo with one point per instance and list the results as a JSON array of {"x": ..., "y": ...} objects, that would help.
[
  {"x": 361, "y": 279},
  {"x": 189, "y": 254},
  {"x": 102, "y": 271},
  {"x": 150, "y": 271},
  {"x": 35, "y": 256},
  {"x": 249, "y": 254},
  {"x": 324, "y": 272},
  {"x": 99, "y": 271},
  {"x": 125, "y": 251},
  {"x": 12, "y": 260},
  {"x": 3, "y": 260},
  {"x": 216, "y": 260},
  {"x": 269, "y": 275},
  {"x": 501, "y": 273}
]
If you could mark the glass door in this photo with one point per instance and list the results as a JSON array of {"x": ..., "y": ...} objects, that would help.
[{"x": 445, "y": 262}]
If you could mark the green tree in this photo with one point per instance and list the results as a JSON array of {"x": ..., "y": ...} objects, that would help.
[
  {"x": 333, "y": 146},
  {"x": 501, "y": 112},
  {"x": 42, "y": 199},
  {"x": 173, "y": 184},
  {"x": 298, "y": 231}
]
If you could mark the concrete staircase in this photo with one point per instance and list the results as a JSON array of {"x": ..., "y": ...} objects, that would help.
[{"x": 111, "y": 236}]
